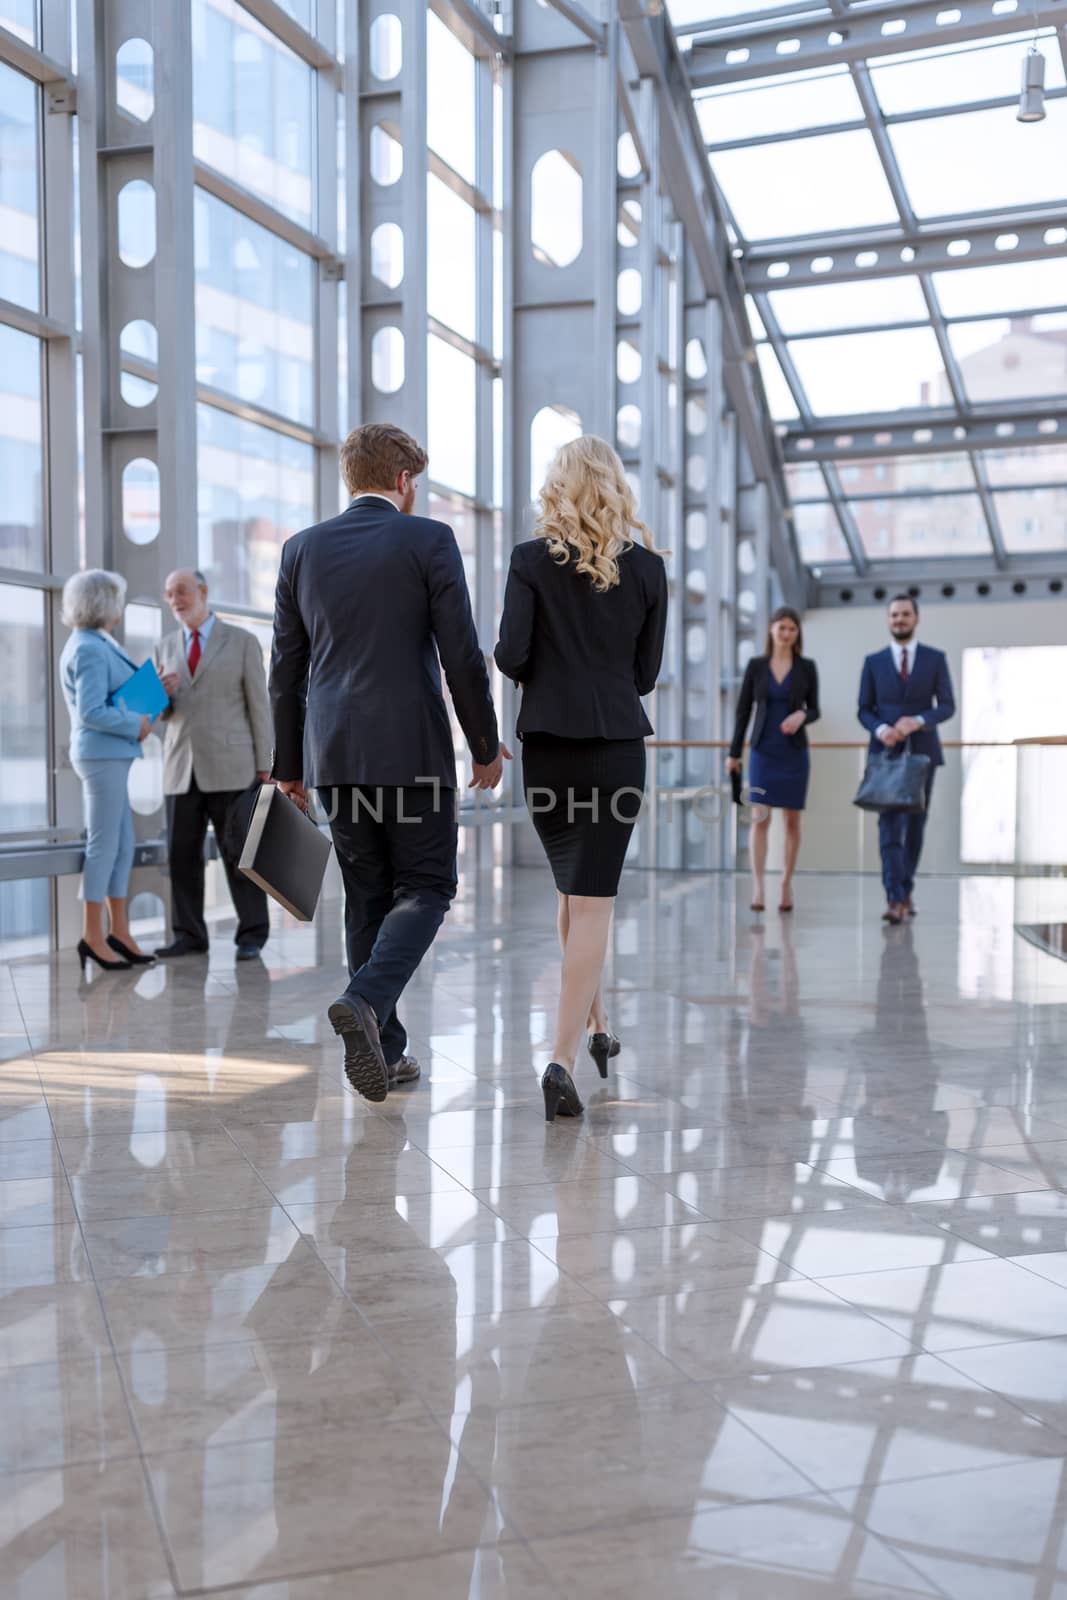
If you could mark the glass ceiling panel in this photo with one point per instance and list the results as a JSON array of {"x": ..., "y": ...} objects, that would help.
[
  {"x": 818, "y": 532},
  {"x": 1020, "y": 286},
  {"x": 851, "y": 305},
  {"x": 918, "y": 526},
  {"x": 959, "y": 74},
  {"x": 778, "y": 105},
  {"x": 1033, "y": 521},
  {"x": 1044, "y": 464},
  {"x": 981, "y": 161},
  {"x": 779, "y": 395},
  {"x": 1018, "y": 359},
  {"x": 813, "y": 185},
  {"x": 805, "y": 482},
  {"x": 896, "y": 473},
  {"x": 860, "y": 372}
]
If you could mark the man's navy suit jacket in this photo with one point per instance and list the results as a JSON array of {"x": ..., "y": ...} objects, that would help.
[
  {"x": 369, "y": 607},
  {"x": 927, "y": 693}
]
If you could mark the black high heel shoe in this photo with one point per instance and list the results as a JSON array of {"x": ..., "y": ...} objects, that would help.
[
  {"x": 602, "y": 1047},
  {"x": 561, "y": 1097},
  {"x": 85, "y": 955},
  {"x": 131, "y": 956}
]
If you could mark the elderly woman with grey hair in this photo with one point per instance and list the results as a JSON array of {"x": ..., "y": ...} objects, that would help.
[{"x": 105, "y": 738}]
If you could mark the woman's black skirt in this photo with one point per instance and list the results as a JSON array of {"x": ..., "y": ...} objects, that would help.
[{"x": 584, "y": 796}]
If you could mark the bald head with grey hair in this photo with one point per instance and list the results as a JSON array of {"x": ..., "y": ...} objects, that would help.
[
  {"x": 94, "y": 599},
  {"x": 185, "y": 591}
]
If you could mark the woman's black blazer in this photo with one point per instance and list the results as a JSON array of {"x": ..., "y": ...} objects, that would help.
[
  {"x": 803, "y": 696},
  {"x": 584, "y": 659}
]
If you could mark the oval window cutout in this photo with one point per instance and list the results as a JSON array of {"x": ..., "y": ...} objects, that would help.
[
  {"x": 140, "y": 500},
  {"x": 556, "y": 209},
  {"x": 552, "y": 427},
  {"x": 135, "y": 85}
]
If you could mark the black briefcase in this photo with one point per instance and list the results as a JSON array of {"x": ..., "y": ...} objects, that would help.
[
  {"x": 285, "y": 852},
  {"x": 893, "y": 782}
]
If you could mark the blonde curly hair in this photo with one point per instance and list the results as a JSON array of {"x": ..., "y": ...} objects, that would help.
[{"x": 587, "y": 512}]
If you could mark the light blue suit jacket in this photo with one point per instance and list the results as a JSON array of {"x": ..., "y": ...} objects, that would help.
[{"x": 90, "y": 671}]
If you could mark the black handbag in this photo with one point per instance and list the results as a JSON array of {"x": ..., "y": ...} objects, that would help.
[{"x": 893, "y": 782}]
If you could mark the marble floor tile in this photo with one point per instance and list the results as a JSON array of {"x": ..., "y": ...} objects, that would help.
[
  {"x": 224, "y": 1306},
  {"x": 598, "y": 1205},
  {"x": 961, "y": 1305},
  {"x": 175, "y": 1153},
  {"x": 1051, "y": 1265},
  {"x": 574, "y": 1352},
  {"x": 991, "y": 1534},
  {"x": 35, "y": 1202},
  {"x": 358, "y": 1177},
  {"x": 467, "y": 1280},
  {"x": 780, "y": 1550},
  {"x": 308, "y": 1502},
  {"x": 490, "y": 1572},
  {"x": 29, "y": 1158},
  {"x": 269, "y": 1145},
  {"x": 1042, "y": 1165},
  {"x": 54, "y": 1322},
  {"x": 336, "y": 1376},
  {"x": 112, "y": 1196},
  {"x": 80, "y": 1533},
  {"x": 720, "y": 1333},
  {"x": 880, "y": 1421},
  {"x": 63, "y": 1412},
  {"x": 146, "y": 1247},
  {"x": 35, "y": 1257},
  {"x": 874, "y": 1239},
  {"x": 18, "y": 1123},
  {"x": 353, "y": 1228},
  {"x": 670, "y": 1449},
  {"x": 936, "y": 1175},
  {"x": 1032, "y": 1223},
  {"x": 549, "y": 1160},
  {"x": 119, "y": 1119},
  {"x": 687, "y": 1257},
  {"x": 762, "y": 1191},
  {"x": 1032, "y": 1374}
]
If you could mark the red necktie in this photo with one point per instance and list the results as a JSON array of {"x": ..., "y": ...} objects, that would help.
[
  {"x": 194, "y": 653},
  {"x": 903, "y": 662}
]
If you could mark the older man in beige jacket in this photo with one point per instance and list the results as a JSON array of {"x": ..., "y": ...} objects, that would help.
[{"x": 218, "y": 738}]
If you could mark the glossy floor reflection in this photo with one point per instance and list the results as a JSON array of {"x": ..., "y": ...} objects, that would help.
[{"x": 783, "y": 1317}]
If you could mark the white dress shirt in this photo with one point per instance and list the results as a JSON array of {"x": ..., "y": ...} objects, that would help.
[
  {"x": 898, "y": 647},
  {"x": 372, "y": 494}
]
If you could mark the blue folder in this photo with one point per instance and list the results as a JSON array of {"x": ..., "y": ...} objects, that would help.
[{"x": 143, "y": 693}]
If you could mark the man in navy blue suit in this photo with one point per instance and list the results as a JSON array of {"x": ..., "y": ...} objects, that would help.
[{"x": 905, "y": 691}]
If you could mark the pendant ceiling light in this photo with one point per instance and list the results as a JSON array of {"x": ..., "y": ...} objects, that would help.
[{"x": 1032, "y": 98}]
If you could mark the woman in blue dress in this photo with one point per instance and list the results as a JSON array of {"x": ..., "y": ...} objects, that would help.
[{"x": 782, "y": 687}]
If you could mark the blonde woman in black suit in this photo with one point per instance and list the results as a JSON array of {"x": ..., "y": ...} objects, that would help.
[{"x": 585, "y": 615}]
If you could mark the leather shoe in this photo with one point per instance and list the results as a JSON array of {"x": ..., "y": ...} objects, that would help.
[
  {"x": 357, "y": 1026},
  {"x": 895, "y": 915},
  {"x": 248, "y": 952},
  {"x": 406, "y": 1070},
  {"x": 180, "y": 947}
]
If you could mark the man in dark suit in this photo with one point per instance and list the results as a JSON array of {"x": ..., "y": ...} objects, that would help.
[
  {"x": 905, "y": 692},
  {"x": 369, "y": 606}
]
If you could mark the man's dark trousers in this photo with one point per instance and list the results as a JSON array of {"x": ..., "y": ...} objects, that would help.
[
  {"x": 900, "y": 838},
  {"x": 397, "y": 851},
  {"x": 188, "y": 816}
]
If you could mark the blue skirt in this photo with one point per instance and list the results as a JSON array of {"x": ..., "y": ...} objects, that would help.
[{"x": 778, "y": 774}]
